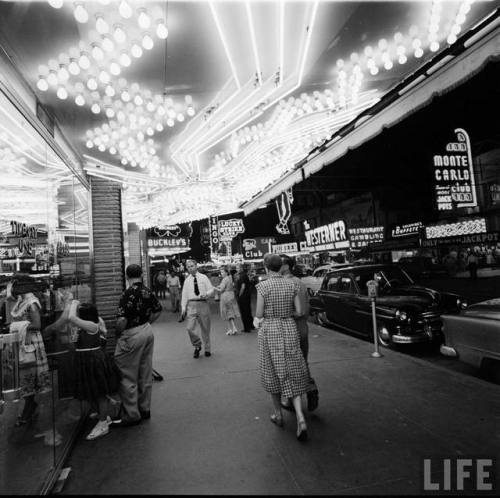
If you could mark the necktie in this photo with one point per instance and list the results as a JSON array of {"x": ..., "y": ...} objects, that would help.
[{"x": 196, "y": 290}]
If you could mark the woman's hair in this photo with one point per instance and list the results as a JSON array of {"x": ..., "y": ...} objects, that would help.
[
  {"x": 88, "y": 312},
  {"x": 272, "y": 262},
  {"x": 226, "y": 269}
]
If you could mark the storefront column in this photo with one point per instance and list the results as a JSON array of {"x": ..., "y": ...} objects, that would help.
[{"x": 109, "y": 271}]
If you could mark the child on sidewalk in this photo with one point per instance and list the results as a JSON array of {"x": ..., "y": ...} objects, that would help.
[{"x": 96, "y": 375}]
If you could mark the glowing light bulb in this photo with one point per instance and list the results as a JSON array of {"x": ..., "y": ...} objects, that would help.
[
  {"x": 80, "y": 100},
  {"x": 143, "y": 19},
  {"x": 388, "y": 64},
  {"x": 136, "y": 50},
  {"x": 180, "y": 117},
  {"x": 150, "y": 131},
  {"x": 114, "y": 68},
  {"x": 107, "y": 44},
  {"x": 42, "y": 84},
  {"x": 402, "y": 59},
  {"x": 89, "y": 144},
  {"x": 125, "y": 96},
  {"x": 147, "y": 42},
  {"x": 125, "y": 10},
  {"x": 101, "y": 25},
  {"x": 434, "y": 46},
  {"x": 84, "y": 61},
  {"x": 190, "y": 111},
  {"x": 159, "y": 127},
  {"x": 56, "y": 4},
  {"x": 170, "y": 122},
  {"x": 374, "y": 70},
  {"x": 119, "y": 34},
  {"x": 97, "y": 53},
  {"x": 451, "y": 39},
  {"x": 52, "y": 78},
  {"x": 161, "y": 30},
  {"x": 110, "y": 112},
  {"x": 63, "y": 74},
  {"x": 74, "y": 68},
  {"x": 92, "y": 84},
  {"x": 138, "y": 101},
  {"x": 101, "y": 147},
  {"x": 418, "y": 52},
  {"x": 80, "y": 13},
  {"x": 62, "y": 93}
]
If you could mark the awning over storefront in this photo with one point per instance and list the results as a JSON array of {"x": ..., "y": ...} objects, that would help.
[{"x": 447, "y": 70}]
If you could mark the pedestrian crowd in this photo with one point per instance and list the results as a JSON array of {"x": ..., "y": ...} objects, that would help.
[{"x": 100, "y": 378}]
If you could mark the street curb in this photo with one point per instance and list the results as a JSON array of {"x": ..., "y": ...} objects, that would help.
[{"x": 420, "y": 361}]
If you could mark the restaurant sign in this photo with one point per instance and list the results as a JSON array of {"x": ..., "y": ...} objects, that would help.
[
  {"x": 454, "y": 174},
  {"x": 406, "y": 230},
  {"x": 328, "y": 237},
  {"x": 361, "y": 237}
]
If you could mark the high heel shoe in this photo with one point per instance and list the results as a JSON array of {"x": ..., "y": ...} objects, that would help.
[
  {"x": 302, "y": 430},
  {"x": 277, "y": 419}
]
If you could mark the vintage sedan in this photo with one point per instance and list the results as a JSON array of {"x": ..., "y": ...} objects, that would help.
[
  {"x": 473, "y": 336},
  {"x": 315, "y": 279},
  {"x": 406, "y": 313}
]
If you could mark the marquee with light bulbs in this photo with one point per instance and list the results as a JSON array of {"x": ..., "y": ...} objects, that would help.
[{"x": 296, "y": 72}]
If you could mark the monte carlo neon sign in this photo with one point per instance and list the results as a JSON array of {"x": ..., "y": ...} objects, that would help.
[{"x": 454, "y": 174}]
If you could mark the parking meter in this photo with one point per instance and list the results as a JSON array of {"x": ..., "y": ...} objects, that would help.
[{"x": 372, "y": 286}]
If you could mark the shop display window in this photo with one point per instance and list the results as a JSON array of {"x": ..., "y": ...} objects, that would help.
[{"x": 44, "y": 263}]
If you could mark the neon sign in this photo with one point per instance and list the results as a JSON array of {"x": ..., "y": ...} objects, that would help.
[{"x": 454, "y": 174}]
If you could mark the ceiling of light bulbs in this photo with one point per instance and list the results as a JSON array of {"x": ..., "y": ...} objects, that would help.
[{"x": 247, "y": 89}]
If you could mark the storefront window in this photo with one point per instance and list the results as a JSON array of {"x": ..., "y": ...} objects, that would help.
[{"x": 44, "y": 263}]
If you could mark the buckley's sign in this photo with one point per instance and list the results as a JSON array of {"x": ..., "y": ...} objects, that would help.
[
  {"x": 454, "y": 174},
  {"x": 168, "y": 242},
  {"x": 328, "y": 237}
]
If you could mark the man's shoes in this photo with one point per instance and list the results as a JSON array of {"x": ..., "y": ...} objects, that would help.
[
  {"x": 125, "y": 422},
  {"x": 312, "y": 400},
  {"x": 208, "y": 353},
  {"x": 196, "y": 353},
  {"x": 100, "y": 429},
  {"x": 145, "y": 415}
]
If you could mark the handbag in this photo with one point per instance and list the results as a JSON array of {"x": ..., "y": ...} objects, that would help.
[{"x": 27, "y": 354}]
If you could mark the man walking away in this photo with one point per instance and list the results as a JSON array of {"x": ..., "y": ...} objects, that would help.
[
  {"x": 195, "y": 291},
  {"x": 244, "y": 295},
  {"x": 303, "y": 328},
  {"x": 174, "y": 289},
  {"x": 138, "y": 308}
]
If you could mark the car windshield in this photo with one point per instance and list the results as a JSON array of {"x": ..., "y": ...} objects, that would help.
[
  {"x": 260, "y": 271},
  {"x": 394, "y": 276}
]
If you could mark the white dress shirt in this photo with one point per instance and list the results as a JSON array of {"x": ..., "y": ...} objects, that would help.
[{"x": 204, "y": 285}]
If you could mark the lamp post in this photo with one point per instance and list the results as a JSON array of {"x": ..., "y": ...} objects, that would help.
[{"x": 372, "y": 294}]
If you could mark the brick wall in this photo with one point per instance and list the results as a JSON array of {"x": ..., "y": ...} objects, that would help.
[{"x": 108, "y": 278}]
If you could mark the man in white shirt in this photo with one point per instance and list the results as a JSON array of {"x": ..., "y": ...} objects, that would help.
[{"x": 195, "y": 291}]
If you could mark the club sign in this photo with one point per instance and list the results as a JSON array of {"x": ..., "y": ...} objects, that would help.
[{"x": 454, "y": 174}]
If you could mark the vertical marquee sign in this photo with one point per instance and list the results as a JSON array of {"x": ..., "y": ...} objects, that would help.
[
  {"x": 284, "y": 208},
  {"x": 454, "y": 174},
  {"x": 214, "y": 234}
]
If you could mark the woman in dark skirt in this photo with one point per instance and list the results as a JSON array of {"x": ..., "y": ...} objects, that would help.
[{"x": 96, "y": 376}]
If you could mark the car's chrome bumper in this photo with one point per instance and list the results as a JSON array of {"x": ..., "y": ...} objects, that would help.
[{"x": 411, "y": 339}]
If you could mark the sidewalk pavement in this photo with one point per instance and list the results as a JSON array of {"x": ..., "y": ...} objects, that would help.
[{"x": 210, "y": 431}]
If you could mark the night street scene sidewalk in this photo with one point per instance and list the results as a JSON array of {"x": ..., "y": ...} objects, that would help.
[{"x": 378, "y": 420}]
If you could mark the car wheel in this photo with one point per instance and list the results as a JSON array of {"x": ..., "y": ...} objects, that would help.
[
  {"x": 384, "y": 337},
  {"x": 491, "y": 370}
]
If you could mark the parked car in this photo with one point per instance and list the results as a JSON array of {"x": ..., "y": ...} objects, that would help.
[
  {"x": 258, "y": 275},
  {"x": 406, "y": 313},
  {"x": 313, "y": 282},
  {"x": 422, "y": 267},
  {"x": 473, "y": 336}
]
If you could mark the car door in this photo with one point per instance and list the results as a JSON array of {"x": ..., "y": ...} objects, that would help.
[
  {"x": 328, "y": 295},
  {"x": 362, "y": 316},
  {"x": 346, "y": 300}
]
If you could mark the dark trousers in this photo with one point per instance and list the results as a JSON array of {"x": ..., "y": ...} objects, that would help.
[
  {"x": 246, "y": 312},
  {"x": 473, "y": 270}
]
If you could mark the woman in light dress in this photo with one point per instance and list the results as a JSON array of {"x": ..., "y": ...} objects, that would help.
[{"x": 228, "y": 306}]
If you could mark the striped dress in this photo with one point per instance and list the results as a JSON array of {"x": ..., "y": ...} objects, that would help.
[{"x": 282, "y": 365}]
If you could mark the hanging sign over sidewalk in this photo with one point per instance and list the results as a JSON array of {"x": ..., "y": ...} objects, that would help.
[
  {"x": 328, "y": 237},
  {"x": 228, "y": 229},
  {"x": 454, "y": 174}
]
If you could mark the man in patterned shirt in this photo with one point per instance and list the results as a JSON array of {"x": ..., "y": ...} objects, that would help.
[{"x": 138, "y": 308}]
